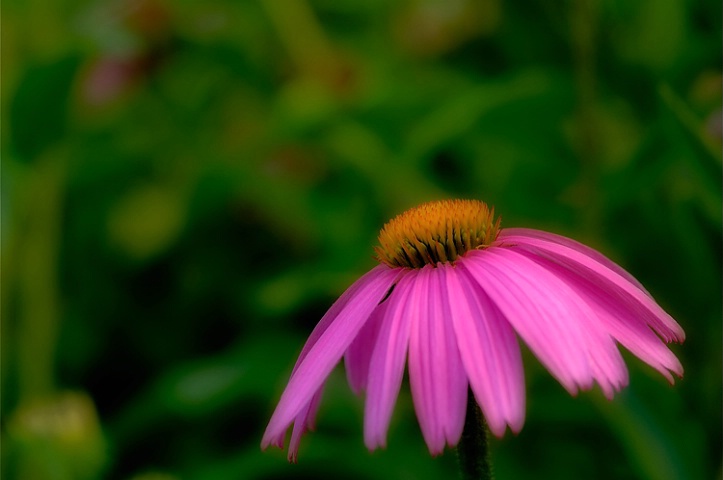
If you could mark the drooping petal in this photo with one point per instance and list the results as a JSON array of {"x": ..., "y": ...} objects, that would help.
[
  {"x": 359, "y": 354},
  {"x": 619, "y": 321},
  {"x": 386, "y": 368},
  {"x": 627, "y": 293},
  {"x": 436, "y": 375},
  {"x": 557, "y": 325},
  {"x": 489, "y": 352},
  {"x": 506, "y": 233},
  {"x": 305, "y": 421},
  {"x": 457, "y": 385},
  {"x": 325, "y": 347},
  {"x": 624, "y": 327}
]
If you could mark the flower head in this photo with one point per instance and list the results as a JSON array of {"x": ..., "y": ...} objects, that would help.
[{"x": 451, "y": 296}]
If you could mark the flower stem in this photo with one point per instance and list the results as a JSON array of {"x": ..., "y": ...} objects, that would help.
[{"x": 472, "y": 450}]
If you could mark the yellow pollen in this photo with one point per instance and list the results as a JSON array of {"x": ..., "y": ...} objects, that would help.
[{"x": 436, "y": 232}]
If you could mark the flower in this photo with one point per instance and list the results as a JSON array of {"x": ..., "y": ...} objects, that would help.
[{"x": 451, "y": 296}]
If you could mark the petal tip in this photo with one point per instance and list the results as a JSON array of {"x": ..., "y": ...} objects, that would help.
[
  {"x": 374, "y": 444},
  {"x": 272, "y": 440}
]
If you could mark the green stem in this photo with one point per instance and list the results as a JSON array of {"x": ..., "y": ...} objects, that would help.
[
  {"x": 688, "y": 119},
  {"x": 472, "y": 449},
  {"x": 37, "y": 276},
  {"x": 584, "y": 26}
]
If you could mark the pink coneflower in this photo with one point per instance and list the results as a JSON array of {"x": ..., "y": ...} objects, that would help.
[{"x": 451, "y": 296}]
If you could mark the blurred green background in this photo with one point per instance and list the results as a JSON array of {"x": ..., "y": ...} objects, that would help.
[{"x": 188, "y": 186}]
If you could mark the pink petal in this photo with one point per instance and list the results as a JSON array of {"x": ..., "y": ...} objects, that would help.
[
  {"x": 436, "y": 375},
  {"x": 387, "y": 363},
  {"x": 304, "y": 421},
  {"x": 359, "y": 354},
  {"x": 619, "y": 285},
  {"x": 570, "y": 243},
  {"x": 554, "y": 321},
  {"x": 325, "y": 347},
  {"x": 619, "y": 321},
  {"x": 489, "y": 352}
]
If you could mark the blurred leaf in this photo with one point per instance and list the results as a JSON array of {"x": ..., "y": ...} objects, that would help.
[
  {"x": 39, "y": 108},
  {"x": 649, "y": 447},
  {"x": 57, "y": 438},
  {"x": 464, "y": 107},
  {"x": 146, "y": 221},
  {"x": 201, "y": 387},
  {"x": 652, "y": 33}
]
